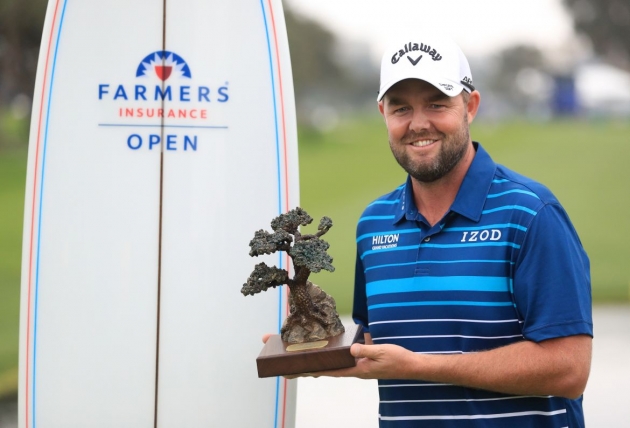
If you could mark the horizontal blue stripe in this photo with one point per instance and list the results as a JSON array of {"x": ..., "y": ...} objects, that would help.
[
  {"x": 524, "y": 192},
  {"x": 438, "y": 283},
  {"x": 376, "y": 217},
  {"x": 509, "y": 207},
  {"x": 439, "y": 303},
  {"x": 390, "y": 265},
  {"x": 474, "y": 244},
  {"x": 437, "y": 262},
  {"x": 503, "y": 180},
  {"x": 490, "y": 226},
  {"x": 389, "y": 232},
  {"x": 395, "y": 201},
  {"x": 426, "y": 245},
  {"x": 410, "y": 247},
  {"x": 465, "y": 261}
]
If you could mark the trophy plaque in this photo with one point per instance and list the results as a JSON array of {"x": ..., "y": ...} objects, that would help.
[{"x": 312, "y": 337}]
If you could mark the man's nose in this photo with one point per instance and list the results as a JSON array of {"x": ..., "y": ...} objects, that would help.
[{"x": 419, "y": 121}]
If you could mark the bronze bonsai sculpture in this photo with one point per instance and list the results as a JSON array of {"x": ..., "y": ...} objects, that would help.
[{"x": 313, "y": 314}]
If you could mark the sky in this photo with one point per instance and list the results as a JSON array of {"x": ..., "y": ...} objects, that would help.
[{"x": 480, "y": 27}]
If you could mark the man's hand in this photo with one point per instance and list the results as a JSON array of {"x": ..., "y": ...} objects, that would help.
[
  {"x": 378, "y": 362},
  {"x": 373, "y": 362}
]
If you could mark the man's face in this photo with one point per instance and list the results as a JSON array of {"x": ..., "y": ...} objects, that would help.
[{"x": 428, "y": 130}]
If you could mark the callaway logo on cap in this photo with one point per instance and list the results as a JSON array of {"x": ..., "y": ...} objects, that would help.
[{"x": 437, "y": 61}]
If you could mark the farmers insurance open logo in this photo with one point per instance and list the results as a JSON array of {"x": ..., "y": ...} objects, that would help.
[{"x": 164, "y": 92}]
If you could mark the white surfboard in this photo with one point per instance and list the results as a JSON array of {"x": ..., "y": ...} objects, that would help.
[{"x": 163, "y": 135}]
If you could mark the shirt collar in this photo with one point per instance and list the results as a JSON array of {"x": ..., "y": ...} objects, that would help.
[
  {"x": 471, "y": 196},
  {"x": 473, "y": 192}
]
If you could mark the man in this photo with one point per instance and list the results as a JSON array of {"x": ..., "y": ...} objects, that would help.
[{"x": 471, "y": 282}]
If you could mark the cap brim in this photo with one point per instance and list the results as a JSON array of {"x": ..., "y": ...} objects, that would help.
[{"x": 448, "y": 87}]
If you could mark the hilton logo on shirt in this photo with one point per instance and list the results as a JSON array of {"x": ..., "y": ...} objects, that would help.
[{"x": 382, "y": 242}]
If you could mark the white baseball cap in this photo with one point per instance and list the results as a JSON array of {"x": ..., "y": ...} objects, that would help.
[{"x": 438, "y": 61}]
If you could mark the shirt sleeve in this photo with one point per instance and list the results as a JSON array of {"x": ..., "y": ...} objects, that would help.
[
  {"x": 359, "y": 309},
  {"x": 552, "y": 285}
]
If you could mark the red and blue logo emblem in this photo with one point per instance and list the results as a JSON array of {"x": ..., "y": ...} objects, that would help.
[{"x": 164, "y": 64}]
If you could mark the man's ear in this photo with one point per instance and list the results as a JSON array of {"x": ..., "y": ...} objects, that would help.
[
  {"x": 381, "y": 108},
  {"x": 473, "y": 105}
]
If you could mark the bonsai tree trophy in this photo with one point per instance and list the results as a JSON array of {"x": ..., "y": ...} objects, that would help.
[{"x": 312, "y": 337}]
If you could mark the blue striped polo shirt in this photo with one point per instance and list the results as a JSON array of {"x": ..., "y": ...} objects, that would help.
[{"x": 504, "y": 265}]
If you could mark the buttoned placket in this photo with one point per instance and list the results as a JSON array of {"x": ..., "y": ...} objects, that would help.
[{"x": 427, "y": 234}]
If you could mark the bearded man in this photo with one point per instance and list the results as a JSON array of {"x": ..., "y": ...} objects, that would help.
[{"x": 478, "y": 307}]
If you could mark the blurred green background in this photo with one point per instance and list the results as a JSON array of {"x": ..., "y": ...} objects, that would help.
[{"x": 583, "y": 162}]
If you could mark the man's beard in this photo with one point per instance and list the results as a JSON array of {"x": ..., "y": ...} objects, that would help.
[{"x": 452, "y": 150}]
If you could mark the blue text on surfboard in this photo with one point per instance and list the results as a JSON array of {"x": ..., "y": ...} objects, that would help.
[
  {"x": 171, "y": 142},
  {"x": 184, "y": 94}
]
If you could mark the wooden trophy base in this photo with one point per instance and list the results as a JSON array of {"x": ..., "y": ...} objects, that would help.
[{"x": 279, "y": 358}]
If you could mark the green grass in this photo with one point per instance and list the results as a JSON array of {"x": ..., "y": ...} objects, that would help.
[
  {"x": 12, "y": 178},
  {"x": 583, "y": 163}
]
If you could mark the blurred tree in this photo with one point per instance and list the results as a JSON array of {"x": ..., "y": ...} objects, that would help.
[
  {"x": 312, "y": 48},
  {"x": 607, "y": 24},
  {"x": 512, "y": 79},
  {"x": 21, "y": 25},
  {"x": 323, "y": 73}
]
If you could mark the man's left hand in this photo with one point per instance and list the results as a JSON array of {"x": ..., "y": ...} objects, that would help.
[{"x": 377, "y": 362}]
